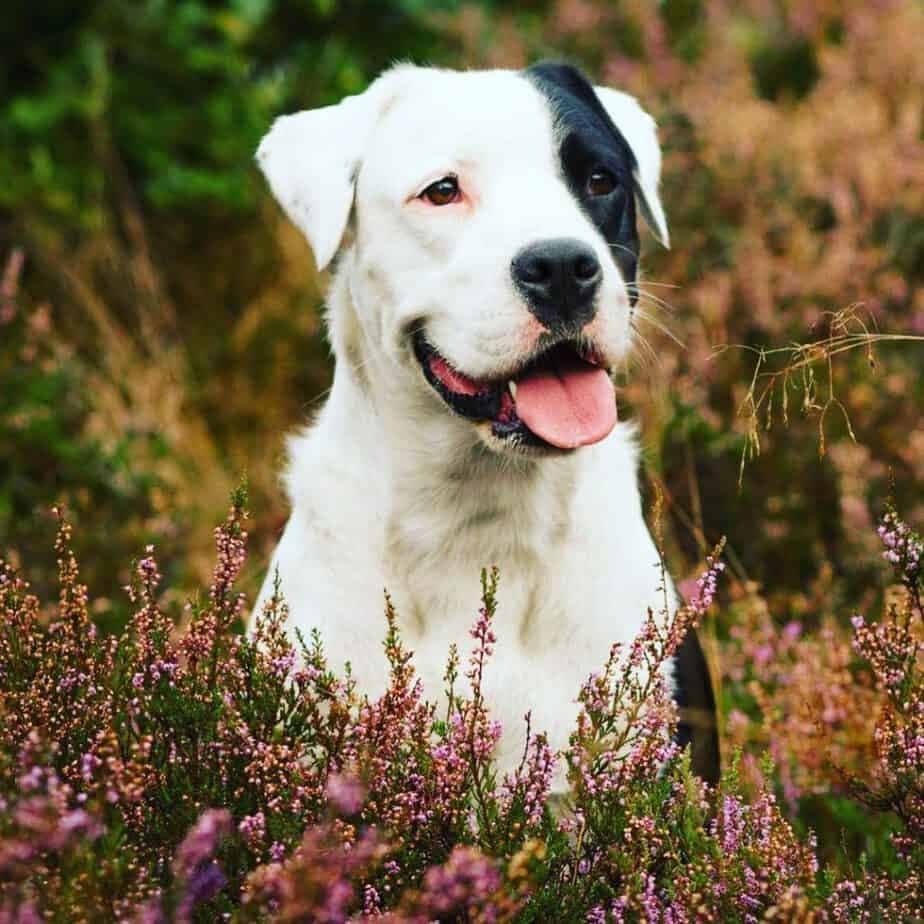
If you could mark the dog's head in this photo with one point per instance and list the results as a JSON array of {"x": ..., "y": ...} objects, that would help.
[{"x": 495, "y": 244}]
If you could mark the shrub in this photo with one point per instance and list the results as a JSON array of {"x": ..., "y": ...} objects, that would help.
[{"x": 191, "y": 772}]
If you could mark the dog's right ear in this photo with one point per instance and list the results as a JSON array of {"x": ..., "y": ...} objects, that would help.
[
  {"x": 311, "y": 159},
  {"x": 641, "y": 134}
]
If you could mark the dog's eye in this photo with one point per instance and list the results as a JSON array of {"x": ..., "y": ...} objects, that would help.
[
  {"x": 442, "y": 192},
  {"x": 601, "y": 183}
]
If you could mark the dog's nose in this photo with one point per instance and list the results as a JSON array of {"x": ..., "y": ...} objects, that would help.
[{"x": 559, "y": 279}]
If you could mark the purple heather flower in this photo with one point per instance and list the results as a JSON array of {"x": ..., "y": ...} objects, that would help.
[
  {"x": 792, "y": 630},
  {"x": 282, "y": 666},
  {"x": 277, "y": 852},
  {"x": 80, "y": 823},
  {"x": 204, "y": 884},
  {"x": 88, "y": 764},
  {"x": 345, "y": 793},
  {"x": 372, "y": 902},
  {"x": 904, "y": 549},
  {"x": 150, "y": 912},
  {"x": 732, "y": 824},
  {"x": 706, "y": 586},
  {"x": 252, "y": 829},
  {"x": 26, "y": 913},
  {"x": 201, "y": 842},
  {"x": 31, "y": 780}
]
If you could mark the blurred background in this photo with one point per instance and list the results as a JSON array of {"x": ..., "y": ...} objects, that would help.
[
  {"x": 160, "y": 325},
  {"x": 159, "y": 318}
]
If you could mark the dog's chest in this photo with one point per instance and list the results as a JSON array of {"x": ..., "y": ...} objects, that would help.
[
  {"x": 432, "y": 563},
  {"x": 555, "y": 622},
  {"x": 577, "y": 573}
]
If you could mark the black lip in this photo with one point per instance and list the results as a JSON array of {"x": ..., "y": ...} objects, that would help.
[{"x": 484, "y": 406}]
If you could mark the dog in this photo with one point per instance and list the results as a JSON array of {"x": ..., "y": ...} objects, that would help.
[{"x": 485, "y": 224}]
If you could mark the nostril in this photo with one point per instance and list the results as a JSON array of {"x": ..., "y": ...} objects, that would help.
[
  {"x": 586, "y": 267},
  {"x": 534, "y": 269}
]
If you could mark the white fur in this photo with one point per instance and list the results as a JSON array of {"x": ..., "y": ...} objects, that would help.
[{"x": 389, "y": 489}]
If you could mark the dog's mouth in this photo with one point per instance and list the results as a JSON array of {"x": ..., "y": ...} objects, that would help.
[{"x": 562, "y": 399}]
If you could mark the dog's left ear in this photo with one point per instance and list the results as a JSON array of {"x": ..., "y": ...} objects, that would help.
[
  {"x": 311, "y": 159},
  {"x": 641, "y": 134}
]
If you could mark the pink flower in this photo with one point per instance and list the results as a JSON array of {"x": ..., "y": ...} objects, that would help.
[
  {"x": 345, "y": 793},
  {"x": 201, "y": 842}
]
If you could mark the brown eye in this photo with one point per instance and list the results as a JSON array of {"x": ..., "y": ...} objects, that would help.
[
  {"x": 442, "y": 192},
  {"x": 601, "y": 183}
]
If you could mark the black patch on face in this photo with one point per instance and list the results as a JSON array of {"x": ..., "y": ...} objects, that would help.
[{"x": 590, "y": 141}]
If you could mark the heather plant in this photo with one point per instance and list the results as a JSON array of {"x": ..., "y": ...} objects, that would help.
[
  {"x": 186, "y": 771},
  {"x": 893, "y": 651}
]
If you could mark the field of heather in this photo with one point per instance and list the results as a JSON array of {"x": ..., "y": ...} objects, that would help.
[{"x": 160, "y": 332}]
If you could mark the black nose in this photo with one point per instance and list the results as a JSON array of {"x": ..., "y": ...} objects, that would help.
[{"x": 559, "y": 279}]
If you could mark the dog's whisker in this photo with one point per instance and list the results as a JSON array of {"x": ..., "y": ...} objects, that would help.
[
  {"x": 653, "y": 310},
  {"x": 652, "y": 282},
  {"x": 655, "y": 300},
  {"x": 619, "y": 246},
  {"x": 657, "y": 307},
  {"x": 643, "y": 355},
  {"x": 318, "y": 397},
  {"x": 642, "y": 315},
  {"x": 639, "y": 339}
]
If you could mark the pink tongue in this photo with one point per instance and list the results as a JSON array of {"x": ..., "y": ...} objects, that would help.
[{"x": 572, "y": 403}]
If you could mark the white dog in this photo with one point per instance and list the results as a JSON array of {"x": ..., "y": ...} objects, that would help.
[{"x": 484, "y": 296}]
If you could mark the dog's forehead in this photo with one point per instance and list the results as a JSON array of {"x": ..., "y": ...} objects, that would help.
[
  {"x": 496, "y": 121},
  {"x": 477, "y": 117}
]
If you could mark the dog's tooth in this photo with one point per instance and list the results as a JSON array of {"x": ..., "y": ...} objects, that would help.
[{"x": 512, "y": 388}]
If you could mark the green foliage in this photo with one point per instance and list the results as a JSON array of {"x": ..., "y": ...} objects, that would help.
[
  {"x": 44, "y": 412},
  {"x": 172, "y": 98}
]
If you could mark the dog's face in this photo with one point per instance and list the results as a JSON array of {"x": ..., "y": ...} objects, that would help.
[{"x": 496, "y": 244}]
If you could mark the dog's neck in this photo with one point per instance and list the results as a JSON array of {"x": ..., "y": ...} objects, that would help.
[{"x": 445, "y": 498}]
